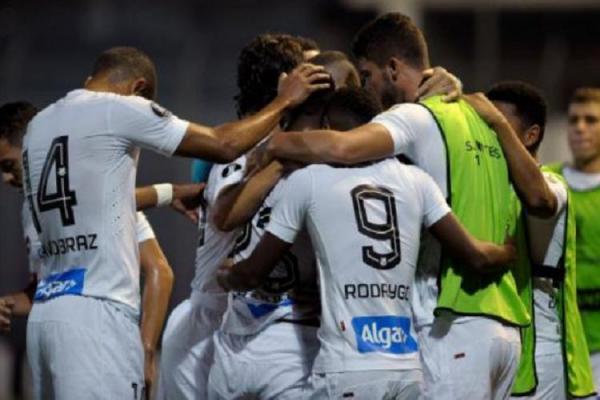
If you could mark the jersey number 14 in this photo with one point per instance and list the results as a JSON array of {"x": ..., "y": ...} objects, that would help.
[{"x": 63, "y": 198}]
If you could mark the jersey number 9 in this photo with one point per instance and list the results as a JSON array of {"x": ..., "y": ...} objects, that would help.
[{"x": 387, "y": 230}]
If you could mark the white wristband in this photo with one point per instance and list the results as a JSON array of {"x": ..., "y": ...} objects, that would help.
[{"x": 164, "y": 194}]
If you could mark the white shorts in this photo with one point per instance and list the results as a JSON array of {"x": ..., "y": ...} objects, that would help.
[
  {"x": 84, "y": 348},
  {"x": 471, "y": 358},
  {"x": 187, "y": 352},
  {"x": 273, "y": 364},
  {"x": 550, "y": 373},
  {"x": 367, "y": 385}
]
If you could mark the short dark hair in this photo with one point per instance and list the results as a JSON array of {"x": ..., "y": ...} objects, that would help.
[
  {"x": 528, "y": 101},
  {"x": 127, "y": 63},
  {"x": 358, "y": 103},
  {"x": 586, "y": 95},
  {"x": 391, "y": 35},
  {"x": 260, "y": 64},
  {"x": 14, "y": 118}
]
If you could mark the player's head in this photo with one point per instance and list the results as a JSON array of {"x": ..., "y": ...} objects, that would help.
[
  {"x": 349, "y": 108},
  {"x": 310, "y": 48},
  {"x": 260, "y": 64},
  {"x": 14, "y": 118},
  {"x": 308, "y": 115},
  {"x": 124, "y": 70},
  {"x": 584, "y": 125},
  {"x": 339, "y": 66},
  {"x": 524, "y": 107},
  {"x": 391, "y": 53}
]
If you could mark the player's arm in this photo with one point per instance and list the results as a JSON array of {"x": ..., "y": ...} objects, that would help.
[
  {"x": 365, "y": 143},
  {"x": 158, "y": 283},
  {"x": 253, "y": 271},
  {"x": 287, "y": 218},
  {"x": 533, "y": 190},
  {"x": 183, "y": 198},
  {"x": 482, "y": 257},
  {"x": 227, "y": 142},
  {"x": 239, "y": 203}
]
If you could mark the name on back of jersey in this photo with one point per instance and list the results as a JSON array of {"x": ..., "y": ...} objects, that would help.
[
  {"x": 69, "y": 244},
  {"x": 60, "y": 284},
  {"x": 384, "y": 334}
]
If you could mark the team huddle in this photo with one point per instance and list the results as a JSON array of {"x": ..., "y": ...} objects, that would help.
[{"x": 365, "y": 231}]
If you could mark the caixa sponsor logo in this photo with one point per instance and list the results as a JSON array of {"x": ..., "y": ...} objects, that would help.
[
  {"x": 69, "y": 282},
  {"x": 384, "y": 334}
]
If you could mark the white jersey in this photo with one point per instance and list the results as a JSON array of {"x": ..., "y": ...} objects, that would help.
[
  {"x": 32, "y": 240},
  {"x": 214, "y": 245},
  {"x": 80, "y": 158},
  {"x": 546, "y": 241},
  {"x": 365, "y": 224},
  {"x": 290, "y": 292},
  {"x": 143, "y": 229},
  {"x": 416, "y": 135}
]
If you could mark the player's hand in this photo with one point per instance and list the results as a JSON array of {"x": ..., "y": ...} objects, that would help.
[
  {"x": 149, "y": 372},
  {"x": 223, "y": 274},
  {"x": 305, "y": 79},
  {"x": 438, "y": 81},
  {"x": 485, "y": 108},
  {"x": 510, "y": 247},
  {"x": 6, "y": 312},
  {"x": 187, "y": 198}
]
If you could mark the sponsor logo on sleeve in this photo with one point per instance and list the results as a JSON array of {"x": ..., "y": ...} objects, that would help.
[
  {"x": 159, "y": 110},
  {"x": 384, "y": 334},
  {"x": 68, "y": 282}
]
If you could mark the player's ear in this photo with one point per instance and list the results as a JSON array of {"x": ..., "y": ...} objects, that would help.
[
  {"x": 138, "y": 87},
  {"x": 532, "y": 135},
  {"x": 393, "y": 68}
]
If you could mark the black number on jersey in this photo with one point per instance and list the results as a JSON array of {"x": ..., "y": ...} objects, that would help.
[
  {"x": 284, "y": 276},
  {"x": 243, "y": 240},
  {"x": 202, "y": 224},
  {"x": 387, "y": 230},
  {"x": 64, "y": 198},
  {"x": 29, "y": 195}
]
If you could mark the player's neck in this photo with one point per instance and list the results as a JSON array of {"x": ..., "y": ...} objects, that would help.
[
  {"x": 99, "y": 85},
  {"x": 591, "y": 166}
]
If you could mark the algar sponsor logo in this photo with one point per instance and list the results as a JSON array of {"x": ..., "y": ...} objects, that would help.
[
  {"x": 385, "y": 334},
  {"x": 59, "y": 284}
]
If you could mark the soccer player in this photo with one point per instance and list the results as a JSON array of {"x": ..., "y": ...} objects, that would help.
[
  {"x": 79, "y": 161},
  {"x": 583, "y": 178},
  {"x": 188, "y": 342},
  {"x": 365, "y": 228},
  {"x": 547, "y": 234},
  {"x": 156, "y": 272},
  {"x": 455, "y": 146}
]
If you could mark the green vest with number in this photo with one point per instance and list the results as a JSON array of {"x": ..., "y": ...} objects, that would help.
[
  {"x": 479, "y": 194},
  {"x": 577, "y": 366},
  {"x": 587, "y": 218}
]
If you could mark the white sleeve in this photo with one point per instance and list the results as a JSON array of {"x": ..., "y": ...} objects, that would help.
[
  {"x": 143, "y": 228},
  {"x": 223, "y": 176},
  {"x": 287, "y": 217},
  {"x": 146, "y": 124},
  {"x": 434, "y": 204},
  {"x": 405, "y": 122},
  {"x": 560, "y": 192}
]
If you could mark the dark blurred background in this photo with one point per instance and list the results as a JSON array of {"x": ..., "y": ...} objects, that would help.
[{"x": 47, "y": 48}]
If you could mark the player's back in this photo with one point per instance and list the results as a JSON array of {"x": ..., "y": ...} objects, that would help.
[
  {"x": 80, "y": 156},
  {"x": 365, "y": 224}
]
